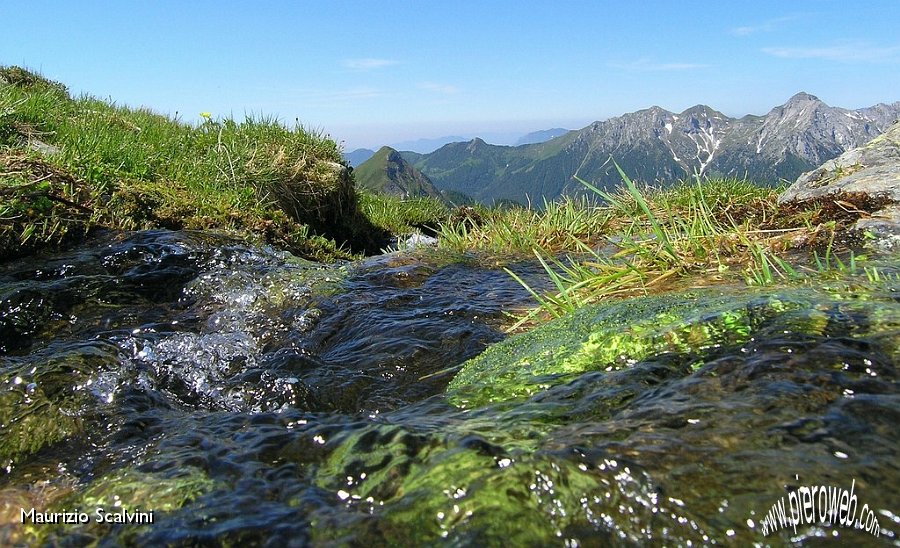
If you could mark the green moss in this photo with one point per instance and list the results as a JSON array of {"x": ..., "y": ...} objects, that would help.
[
  {"x": 467, "y": 494},
  {"x": 456, "y": 484},
  {"x": 425, "y": 490},
  {"x": 127, "y": 489},
  {"x": 43, "y": 400},
  {"x": 30, "y": 421},
  {"x": 614, "y": 335},
  {"x": 133, "y": 489},
  {"x": 379, "y": 457}
]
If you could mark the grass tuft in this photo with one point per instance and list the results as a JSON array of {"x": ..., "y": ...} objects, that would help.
[
  {"x": 694, "y": 233},
  {"x": 128, "y": 168}
]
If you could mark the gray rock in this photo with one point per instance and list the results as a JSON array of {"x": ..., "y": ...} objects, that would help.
[
  {"x": 415, "y": 240},
  {"x": 872, "y": 169},
  {"x": 885, "y": 226},
  {"x": 43, "y": 148}
]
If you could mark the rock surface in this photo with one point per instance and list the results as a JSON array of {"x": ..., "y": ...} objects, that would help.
[
  {"x": 615, "y": 336},
  {"x": 872, "y": 169}
]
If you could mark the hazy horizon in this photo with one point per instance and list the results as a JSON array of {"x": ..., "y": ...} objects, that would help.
[
  {"x": 376, "y": 73},
  {"x": 498, "y": 133},
  {"x": 519, "y": 129}
]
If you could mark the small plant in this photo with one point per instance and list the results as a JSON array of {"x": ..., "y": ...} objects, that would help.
[
  {"x": 766, "y": 268},
  {"x": 877, "y": 276},
  {"x": 661, "y": 235},
  {"x": 695, "y": 232}
]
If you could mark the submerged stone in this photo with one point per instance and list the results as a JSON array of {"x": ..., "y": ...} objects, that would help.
[
  {"x": 423, "y": 487},
  {"x": 128, "y": 497},
  {"x": 29, "y": 421},
  {"x": 45, "y": 397},
  {"x": 614, "y": 335}
]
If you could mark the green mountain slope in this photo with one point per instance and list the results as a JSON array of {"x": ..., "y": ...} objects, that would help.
[
  {"x": 386, "y": 172},
  {"x": 657, "y": 146},
  {"x": 490, "y": 172}
]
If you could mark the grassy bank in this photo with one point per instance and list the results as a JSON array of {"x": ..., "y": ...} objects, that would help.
[
  {"x": 692, "y": 234},
  {"x": 72, "y": 164}
]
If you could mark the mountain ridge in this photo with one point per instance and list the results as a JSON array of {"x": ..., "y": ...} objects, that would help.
[
  {"x": 358, "y": 156},
  {"x": 655, "y": 145}
]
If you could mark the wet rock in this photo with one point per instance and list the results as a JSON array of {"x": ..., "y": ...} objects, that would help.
[
  {"x": 126, "y": 497},
  {"x": 425, "y": 488},
  {"x": 30, "y": 421},
  {"x": 884, "y": 224},
  {"x": 46, "y": 397},
  {"x": 614, "y": 336}
]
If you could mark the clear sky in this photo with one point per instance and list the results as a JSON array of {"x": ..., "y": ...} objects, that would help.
[{"x": 376, "y": 72}]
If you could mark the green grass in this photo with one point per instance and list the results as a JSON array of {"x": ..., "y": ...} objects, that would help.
[
  {"x": 133, "y": 168},
  {"x": 560, "y": 225},
  {"x": 694, "y": 233},
  {"x": 403, "y": 216}
]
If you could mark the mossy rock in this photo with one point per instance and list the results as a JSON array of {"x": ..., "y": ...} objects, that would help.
[
  {"x": 44, "y": 400},
  {"x": 30, "y": 422},
  {"x": 615, "y": 335},
  {"x": 128, "y": 489},
  {"x": 321, "y": 193},
  {"x": 426, "y": 487}
]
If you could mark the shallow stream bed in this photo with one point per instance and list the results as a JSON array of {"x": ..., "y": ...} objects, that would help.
[{"x": 239, "y": 395}]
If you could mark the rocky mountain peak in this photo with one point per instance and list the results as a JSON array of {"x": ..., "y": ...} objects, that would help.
[
  {"x": 704, "y": 117},
  {"x": 391, "y": 154},
  {"x": 803, "y": 97},
  {"x": 703, "y": 111},
  {"x": 475, "y": 145},
  {"x": 657, "y": 146},
  {"x": 388, "y": 172}
]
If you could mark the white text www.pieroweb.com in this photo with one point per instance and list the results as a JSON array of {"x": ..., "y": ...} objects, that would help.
[{"x": 820, "y": 505}]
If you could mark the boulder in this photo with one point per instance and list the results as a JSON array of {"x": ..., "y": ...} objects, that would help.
[
  {"x": 872, "y": 170},
  {"x": 616, "y": 335}
]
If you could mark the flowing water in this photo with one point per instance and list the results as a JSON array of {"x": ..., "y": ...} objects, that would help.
[{"x": 244, "y": 396}]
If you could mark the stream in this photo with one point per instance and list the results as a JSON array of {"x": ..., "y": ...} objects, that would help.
[{"x": 238, "y": 395}]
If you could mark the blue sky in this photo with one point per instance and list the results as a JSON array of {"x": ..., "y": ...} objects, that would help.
[{"x": 370, "y": 73}]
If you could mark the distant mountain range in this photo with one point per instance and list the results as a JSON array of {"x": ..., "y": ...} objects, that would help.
[
  {"x": 657, "y": 146},
  {"x": 540, "y": 136},
  {"x": 423, "y": 146},
  {"x": 356, "y": 157}
]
